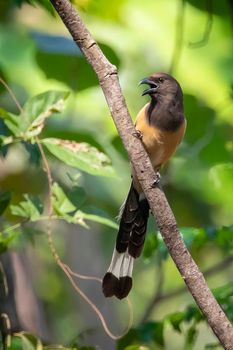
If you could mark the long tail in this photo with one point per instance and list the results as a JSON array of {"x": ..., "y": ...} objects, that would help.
[{"x": 130, "y": 240}]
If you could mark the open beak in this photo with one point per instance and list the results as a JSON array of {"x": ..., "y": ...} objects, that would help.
[{"x": 152, "y": 89}]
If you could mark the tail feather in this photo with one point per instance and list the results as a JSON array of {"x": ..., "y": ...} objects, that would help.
[
  {"x": 128, "y": 216},
  {"x": 129, "y": 244},
  {"x": 124, "y": 286},
  {"x": 138, "y": 234},
  {"x": 118, "y": 279}
]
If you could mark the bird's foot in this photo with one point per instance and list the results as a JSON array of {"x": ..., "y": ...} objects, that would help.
[
  {"x": 138, "y": 134},
  {"x": 157, "y": 179}
]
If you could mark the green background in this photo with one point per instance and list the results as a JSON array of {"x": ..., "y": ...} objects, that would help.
[{"x": 193, "y": 41}]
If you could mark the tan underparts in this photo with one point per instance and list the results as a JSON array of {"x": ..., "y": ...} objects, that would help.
[{"x": 160, "y": 145}]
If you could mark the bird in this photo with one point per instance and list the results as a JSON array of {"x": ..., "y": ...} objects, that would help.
[{"x": 161, "y": 126}]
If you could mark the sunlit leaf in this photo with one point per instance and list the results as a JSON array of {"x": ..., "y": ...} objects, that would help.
[
  {"x": 11, "y": 120},
  {"x": 96, "y": 215},
  {"x": 6, "y": 238},
  {"x": 104, "y": 10},
  {"x": 38, "y": 109},
  {"x": 61, "y": 203},
  {"x": 31, "y": 208},
  {"x": 67, "y": 202},
  {"x": 65, "y": 206},
  {"x": 80, "y": 155},
  {"x": 29, "y": 341}
]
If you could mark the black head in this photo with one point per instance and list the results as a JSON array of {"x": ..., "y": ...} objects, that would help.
[{"x": 161, "y": 84}]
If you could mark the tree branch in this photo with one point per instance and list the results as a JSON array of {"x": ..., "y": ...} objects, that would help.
[{"x": 107, "y": 75}]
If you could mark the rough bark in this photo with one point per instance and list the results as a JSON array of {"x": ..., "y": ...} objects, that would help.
[{"x": 108, "y": 78}]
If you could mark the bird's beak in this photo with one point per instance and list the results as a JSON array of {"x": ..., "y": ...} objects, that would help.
[{"x": 153, "y": 86}]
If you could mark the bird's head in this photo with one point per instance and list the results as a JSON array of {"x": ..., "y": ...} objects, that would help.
[{"x": 161, "y": 84}]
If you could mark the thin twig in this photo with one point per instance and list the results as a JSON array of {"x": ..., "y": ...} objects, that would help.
[{"x": 108, "y": 78}]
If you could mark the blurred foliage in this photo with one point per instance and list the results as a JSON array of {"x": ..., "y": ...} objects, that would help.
[{"x": 41, "y": 63}]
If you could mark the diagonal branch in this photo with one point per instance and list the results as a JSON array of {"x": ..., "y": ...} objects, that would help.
[{"x": 107, "y": 75}]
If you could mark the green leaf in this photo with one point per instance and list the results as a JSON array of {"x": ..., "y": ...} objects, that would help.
[
  {"x": 80, "y": 155},
  {"x": 33, "y": 153},
  {"x": 6, "y": 239},
  {"x": 176, "y": 319},
  {"x": 96, "y": 215},
  {"x": 11, "y": 120},
  {"x": 30, "y": 209},
  {"x": 224, "y": 237},
  {"x": 29, "y": 341},
  {"x": 194, "y": 236},
  {"x": 65, "y": 206},
  {"x": 5, "y": 198},
  {"x": 152, "y": 331},
  {"x": 132, "y": 337},
  {"x": 224, "y": 292},
  {"x": 192, "y": 313},
  {"x": 61, "y": 203},
  {"x": 191, "y": 335},
  {"x": 29, "y": 233},
  {"x": 37, "y": 109},
  {"x": 16, "y": 343},
  {"x": 77, "y": 196},
  {"x": 151, "y": 244}
]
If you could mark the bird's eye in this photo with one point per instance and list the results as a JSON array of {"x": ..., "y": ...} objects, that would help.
[{"x": 161, "y": 80}]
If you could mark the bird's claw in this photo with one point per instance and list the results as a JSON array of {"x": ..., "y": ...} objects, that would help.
[
  {"x": 157, "y": 179},
  {"x": 138, "y": 134}
]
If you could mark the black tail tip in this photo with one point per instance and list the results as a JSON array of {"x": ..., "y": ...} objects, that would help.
[
  {"x": 109, "y": 284},
  {"x": 124, "y": 287}
]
